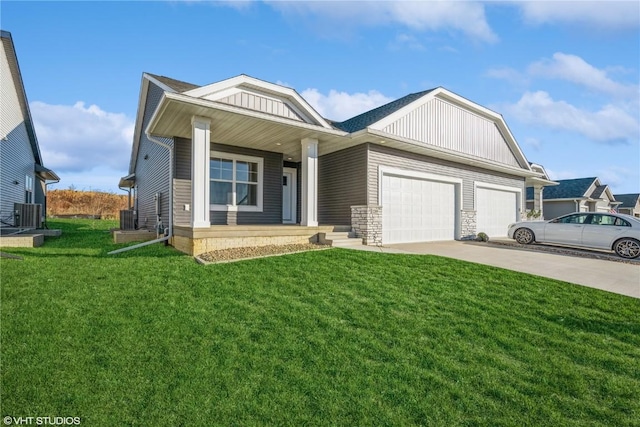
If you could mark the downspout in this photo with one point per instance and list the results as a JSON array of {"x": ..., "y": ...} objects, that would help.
[
  {"x": 170, "y": 230},
  {"x": 46, "y": 191}
]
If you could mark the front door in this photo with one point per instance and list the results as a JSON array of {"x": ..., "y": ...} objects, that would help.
[{"x": 289, "y": 181}]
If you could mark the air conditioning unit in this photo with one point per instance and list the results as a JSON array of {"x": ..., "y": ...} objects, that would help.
[
  {"x": 27, "y": 215},
  {"x": 127, "y": 220}
]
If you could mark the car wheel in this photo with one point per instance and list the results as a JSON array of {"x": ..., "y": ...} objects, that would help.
[
  {"x": 524, "y": 236},
  {"x": 627, "y": 248}
]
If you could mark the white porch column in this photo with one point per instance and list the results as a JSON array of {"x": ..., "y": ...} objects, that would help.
[
  {"x": 200, "y": 156},
  {"x": 309, "y": 209}
]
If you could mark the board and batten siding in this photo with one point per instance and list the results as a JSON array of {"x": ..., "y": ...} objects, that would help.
[
  {"x": 260, "y": 103},
  {"x": 152, "y": 170},
  {"x": 385, "y": 156},
  {"x": 449, "y": 126},
  {"x": 342, "y": 183},
  {"x": 271, "y": 188},
  {"x": 16, "y": 155}
]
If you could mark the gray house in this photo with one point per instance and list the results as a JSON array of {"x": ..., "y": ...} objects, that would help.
[
  {"x": 575, "y": 195},
  {"x": 23, "y": 176},
  {"x": 247, "y": 162},
  {"x": 629, "y": 204}
]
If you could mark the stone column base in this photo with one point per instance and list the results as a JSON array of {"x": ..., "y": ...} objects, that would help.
[{"x": 366, "y": 223}]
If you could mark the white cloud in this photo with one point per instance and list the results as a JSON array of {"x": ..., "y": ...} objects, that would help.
[
  {"x": 615, "y": 176},
  {"x": 78, "y": 138},
  {"x": 342, "y": 105},
  {"x": 508, "y": 74},
  {"x": 576, "y": 70},
  {"x": 610, "y": 124},
  {"x": 465, "y": 17},
  {"x": 612, "y": 15}
]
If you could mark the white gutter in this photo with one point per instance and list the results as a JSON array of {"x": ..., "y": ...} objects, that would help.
[{"x": 170, "y": 233}]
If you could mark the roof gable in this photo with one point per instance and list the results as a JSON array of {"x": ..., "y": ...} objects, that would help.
[
  {"x": 8, "y": 50},
  {"x": 253, "y": 94},
  {"x": 570, "y": 188},
  {"x": 368, "y": 118},
  {"x": 445, "y": 120},
  {"x": 628, "y": 200}
]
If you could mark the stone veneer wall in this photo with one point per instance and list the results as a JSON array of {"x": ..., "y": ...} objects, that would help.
[
  {"x": 366, "y": 223},
  {"x": 467, "y": 225}
]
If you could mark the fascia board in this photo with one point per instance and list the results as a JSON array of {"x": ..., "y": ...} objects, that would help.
[
  {"x": 142, "y": 102},
  {"x": 16, "y": 75},
  {"x": 446, "y": 154},
  {"x": 157, "y": 83},
  {"x": 455, "y": 99},
  {"x": 199, "y": 102},
  {"x": 245, "y": 81}
]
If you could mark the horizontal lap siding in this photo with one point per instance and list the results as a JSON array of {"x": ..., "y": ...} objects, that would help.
[
  {"x": 17, "y": 162},
  {"x": 16, "y": 156},
  {"x": 384, "y": 156},
  {"x": 182, "y": 181},
  {"x": 271, "y": 190},
  {"x": 152, "y": 174},
  {"x": 342, "y": 183}
]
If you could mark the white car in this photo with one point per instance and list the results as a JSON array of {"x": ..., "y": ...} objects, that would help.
[{"x": 609, "y": 231}]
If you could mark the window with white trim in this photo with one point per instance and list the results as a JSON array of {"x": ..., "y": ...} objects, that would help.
[{"x": 236, "y": 181}]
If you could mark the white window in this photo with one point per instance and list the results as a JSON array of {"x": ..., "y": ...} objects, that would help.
[
  {"x": 28, "y": 189},
  {"x": 236, "y": 181}
]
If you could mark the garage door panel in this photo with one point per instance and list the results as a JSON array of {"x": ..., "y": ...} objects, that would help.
[
  {"x": 495, "y": 210},
  {"x": 423, "y": 211}
]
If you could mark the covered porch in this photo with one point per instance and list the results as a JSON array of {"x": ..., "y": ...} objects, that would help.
[{"x": 238, "y": 166}]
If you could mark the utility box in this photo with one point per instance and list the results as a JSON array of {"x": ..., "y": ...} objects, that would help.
[
  {"x": 27, "y": 215},
  {"x": 127, "y": 220}
]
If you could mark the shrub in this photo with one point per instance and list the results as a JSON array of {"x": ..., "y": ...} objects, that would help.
[{"x": 482, "y": 237}]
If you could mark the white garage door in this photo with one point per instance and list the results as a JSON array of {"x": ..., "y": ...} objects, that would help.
[
  {"x": 417, "y": 210},
  {"x": 496, "y": 209}
]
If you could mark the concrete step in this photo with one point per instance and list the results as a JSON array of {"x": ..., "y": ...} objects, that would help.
[{"x": 339, "y": 239}]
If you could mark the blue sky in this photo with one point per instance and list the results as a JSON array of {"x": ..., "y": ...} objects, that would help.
[{"x": 565, "y": 75}]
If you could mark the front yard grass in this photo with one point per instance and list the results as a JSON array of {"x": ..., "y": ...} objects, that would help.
[{"x": 334, "y": 337}]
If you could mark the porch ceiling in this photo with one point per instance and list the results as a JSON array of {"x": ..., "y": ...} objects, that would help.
[{"x": 237, "y": 126}]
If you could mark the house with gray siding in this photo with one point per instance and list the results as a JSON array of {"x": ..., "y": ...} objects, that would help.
[
  {"x": 575, "y": 195},
  {"x": 248, "y": 162},
  {"x": 629, "y": 204},
  {"x": 23, "y": 176}
]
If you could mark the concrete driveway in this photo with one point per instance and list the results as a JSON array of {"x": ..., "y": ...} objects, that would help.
[{"x": 612, "y": 276}]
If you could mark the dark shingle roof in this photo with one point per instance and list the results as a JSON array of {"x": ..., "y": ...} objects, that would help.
[
  {"x": 598, "y": 191},
  {"x": 364, "y": 120},
  {"x": 628, "y": 200},
  {"x": 177, "y": 85},
  {"x": 568, "y": 188}
]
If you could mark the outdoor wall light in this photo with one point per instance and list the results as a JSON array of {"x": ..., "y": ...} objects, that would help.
[
  {"x": 15, "y": 182},
  {"x": 146, "y": 157}
]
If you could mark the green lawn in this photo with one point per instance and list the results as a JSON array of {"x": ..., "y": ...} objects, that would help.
[{"x": 334, "y": 337}]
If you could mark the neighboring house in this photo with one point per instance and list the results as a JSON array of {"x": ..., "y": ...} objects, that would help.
[
  {"x": 246, "y": 156},
  {"x": 629, "y": 204},
  {"x": 575, "y": 195},
  {"x": 22, "y": 173},
  {"x": 535, "y": 207}
]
